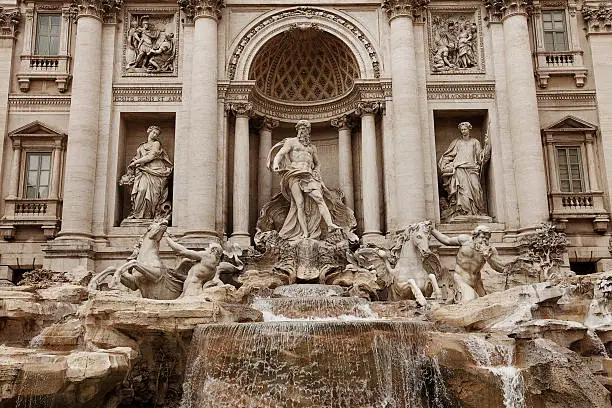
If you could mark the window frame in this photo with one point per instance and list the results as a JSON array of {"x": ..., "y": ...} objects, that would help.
[
  {"x": 26, "y": 170},
  {"x": 566, "y": 43},
  {"x": 37, "y": 33},
  {"x": 581, "y": 177}
]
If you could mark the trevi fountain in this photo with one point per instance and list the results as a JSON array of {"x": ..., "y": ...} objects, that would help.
[{"x": 311, "y": 315}]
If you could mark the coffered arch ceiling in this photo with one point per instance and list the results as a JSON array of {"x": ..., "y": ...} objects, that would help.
[{"x": 304, "y": 65}]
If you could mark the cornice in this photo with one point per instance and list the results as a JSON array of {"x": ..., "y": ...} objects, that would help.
[{"x": 598, "y": 19}]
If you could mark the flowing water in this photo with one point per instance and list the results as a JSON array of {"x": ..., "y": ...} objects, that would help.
[
  {"x": 510, "y": 376},
  {"x": 312, "y": 364},
  {"x": 314, "y": 309}
]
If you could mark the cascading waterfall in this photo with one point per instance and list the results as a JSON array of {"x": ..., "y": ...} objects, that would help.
[
  {"x": 312, "y": 364},
  {"x": 315, "y": 308},
  {"x": 510, "y": 376}
]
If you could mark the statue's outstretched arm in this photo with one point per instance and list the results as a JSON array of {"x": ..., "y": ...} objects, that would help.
[
  {"x": 182, "y": 251},
  {"x": 495, "y": 261},
  {"x": 446, "y": 240}
]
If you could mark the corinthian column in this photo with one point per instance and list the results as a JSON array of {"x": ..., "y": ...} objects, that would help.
[
  {"x": 524, "y": 122},
  {"x": 370, "y": 185},
  {"x": 240, "y": 202},
  {"x": 202, "y": 139},
  {"x": 409, "y": 160},
  {"x": 345, "y": 158},
  {"x": 264, "y": 176},
  {"x": 77, "y": 214},
  {"x": 598, "y": 19}
]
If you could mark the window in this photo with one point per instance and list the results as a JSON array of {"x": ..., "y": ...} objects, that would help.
[
  {"x": 38, "y": 171},
  {"x": 570, "y": 171},
  {"x": 555, "y": 31},
  {"x": 48, "y": 34}
]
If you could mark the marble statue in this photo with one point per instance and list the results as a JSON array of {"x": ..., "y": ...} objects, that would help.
[
  {"x": 454, "y": 44},
  {"x": 302, "y": 186},
  {"x": 148, "y": 174},
  {"x": 474, "y": 252},
  {"x": 415, "y": 274},
  {"x": 461, "y": 166},
  {"x": 204, "y": 273}
]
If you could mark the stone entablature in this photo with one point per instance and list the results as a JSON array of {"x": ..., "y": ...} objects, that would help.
[{"x": 598, "y": 17}]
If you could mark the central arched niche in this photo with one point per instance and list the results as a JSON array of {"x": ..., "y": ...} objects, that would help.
[{"x": 304, "y": 65}]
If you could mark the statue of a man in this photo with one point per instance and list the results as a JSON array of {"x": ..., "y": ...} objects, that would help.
[
  {"x": 301, "y": 184},
  {"x": 474, "y": 252},
  {"x": 461, "y": 166},
  {"x": 148, "y": 173}
]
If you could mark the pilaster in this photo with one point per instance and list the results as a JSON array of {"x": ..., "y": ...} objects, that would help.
[
  {"x": 264, "y": 175},
  {"x": 344, "y": 124}
]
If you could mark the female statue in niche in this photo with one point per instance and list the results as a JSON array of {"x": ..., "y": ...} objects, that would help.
[
  {"x": 462, "y": 166},
  {"x": 148, "y": 173}
]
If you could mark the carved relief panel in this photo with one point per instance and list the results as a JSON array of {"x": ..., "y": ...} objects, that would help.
[
  {"x": 150, "y": 45},
  {"x": 455, "y": 42}
]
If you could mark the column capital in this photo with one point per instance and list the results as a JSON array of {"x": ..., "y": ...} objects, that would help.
[
  {"x": 598, "y": 19},
  {"x": 195, "y": 9},
  {"x": 368, "y": 108},
  {"x": 402, "y": 8},
  {"x": 100, "y": 9},
  {"x": 9, "y": 21},
  {"x": 240, "y": 109},
  {"x": 342, "y": 123},
  {"x": 498, "y": 10},
  {"x": 268, "y": 124}
]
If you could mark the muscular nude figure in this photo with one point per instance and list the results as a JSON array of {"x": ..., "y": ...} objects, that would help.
[
  {"x": 298, "y": 163},
  {"x": 475, "y": 251},
  {"x": 204, "y": 273}
]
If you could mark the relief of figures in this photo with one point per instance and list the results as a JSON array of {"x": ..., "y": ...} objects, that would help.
[
  {"x": 461, "y": 167},
  {"x": 148, "y": 173},
  {"x": 151, "y": 45},
  {"x": 453, "y": 43}
]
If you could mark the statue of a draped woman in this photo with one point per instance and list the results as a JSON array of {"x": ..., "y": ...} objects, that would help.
[{"x": 149, "y": 173}]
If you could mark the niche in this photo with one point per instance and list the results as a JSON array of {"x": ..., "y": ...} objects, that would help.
[
  {"x": 464, "y": 177},
  {"x": 132, "y": 136}
]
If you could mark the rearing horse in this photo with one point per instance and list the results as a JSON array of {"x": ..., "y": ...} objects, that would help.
[
  {"x": 146, "y": 272},
  {"x": 415, "y": 273}
]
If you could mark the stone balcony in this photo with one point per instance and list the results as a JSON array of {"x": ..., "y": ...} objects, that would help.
[
  {"x": 560, "y": 63},
  {"x": 45, "y": 213},
  {"x": 55, "y": 67},
  {"x": 565, "y": 206}
]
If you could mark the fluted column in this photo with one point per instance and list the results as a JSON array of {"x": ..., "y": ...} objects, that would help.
[
  {"x": 345, "y": 158},
  {"x": 409, "y": 160},
  {"x": 240, "y": 202},
  {"x": 370, "y": 185},
  {"x": 264, "y": 176},
  {"x": 524, "y": 122},
  {"x": 202, "y": 139},
  {"x": 14, "y": 186},
  {"x": 77, "y": 214},
  {"x": 552, "y": 164}
]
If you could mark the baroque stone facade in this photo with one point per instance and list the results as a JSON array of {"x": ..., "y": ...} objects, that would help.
[{"x": 383, "y": 87}]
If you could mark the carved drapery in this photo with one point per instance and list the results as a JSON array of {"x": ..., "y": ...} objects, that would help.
[
  {"x": 101, "y": 9},
  {"x": 195, "y": 9},
  {"x": 598, "y": 19},
  {"x": 9, "y": 21},
  {"x": 403, "y": 8}
]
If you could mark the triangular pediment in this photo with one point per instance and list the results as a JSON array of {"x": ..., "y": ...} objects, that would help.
[
  {"x": 572, "y": 123},
  {"x": 36, "y": 128}
]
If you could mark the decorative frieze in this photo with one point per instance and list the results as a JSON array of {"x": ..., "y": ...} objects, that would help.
[
  {"x": 147, "y": 94},
  {"x": 460, "y": 91},
  {"x": 240, "y": 109},
  {"x": 403, "y": 8},
  {"x": 102, "y": 9},
  {"x": 9, "y": 21},
  {"x": 308, "y": 12},
  {"x": 455, "y": 42},
  {"x": 598, "y": 19},
  {"x": 151, "y": 42},
  {"x": 194, "y": 9},
  {"x": 566, "y": 99},
  {"x": 39, "y": 103}
]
